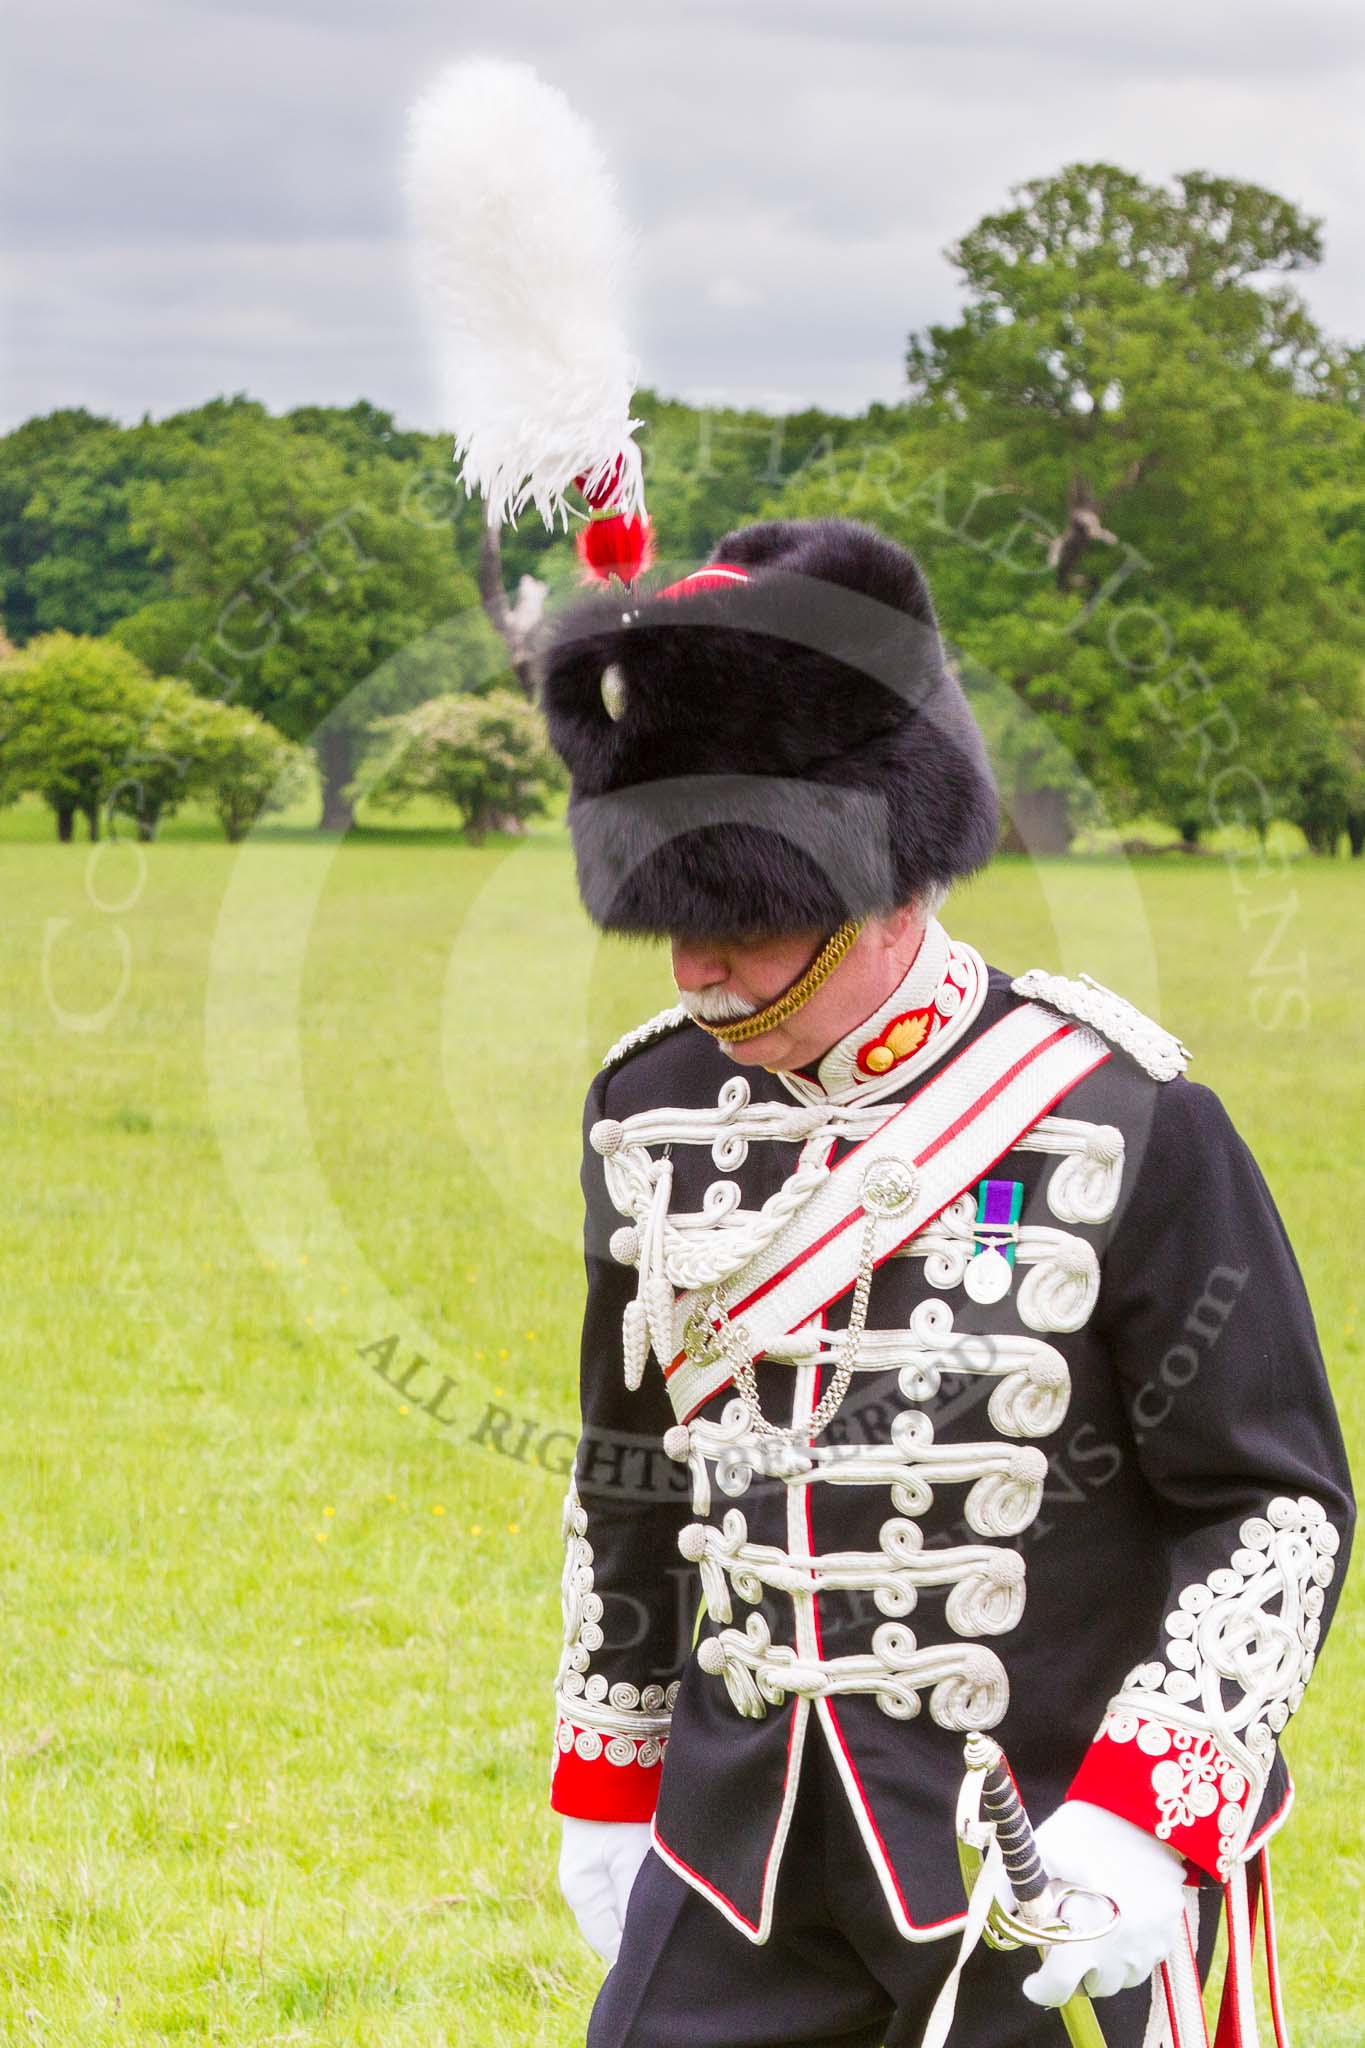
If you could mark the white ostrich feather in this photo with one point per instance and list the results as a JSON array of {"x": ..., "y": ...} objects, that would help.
[{"x": 521, "y": 256}]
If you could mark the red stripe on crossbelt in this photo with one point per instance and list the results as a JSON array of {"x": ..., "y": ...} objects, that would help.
[
  {"x": 1010, "y": 1074},
  {"x": 945, "y": 1137}
]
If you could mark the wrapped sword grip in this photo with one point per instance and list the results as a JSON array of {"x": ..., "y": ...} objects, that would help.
[{"x": 1002, "y": 1806}]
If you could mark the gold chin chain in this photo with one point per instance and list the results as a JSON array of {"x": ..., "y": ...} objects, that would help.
[
  {"x": 889, "y": 1186},
  {"x": 741, "y": 1029}
]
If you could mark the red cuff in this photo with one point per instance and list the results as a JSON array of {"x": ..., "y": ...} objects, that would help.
[
  {"x": 1177, "y": 1785},
  {"x": 615, "y": 1777}
]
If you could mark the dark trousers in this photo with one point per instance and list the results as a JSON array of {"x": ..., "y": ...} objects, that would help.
[{"x": 834, "y": 1973}]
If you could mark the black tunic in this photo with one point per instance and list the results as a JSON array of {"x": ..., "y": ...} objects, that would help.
[{"x": 1178, "y": 1572}]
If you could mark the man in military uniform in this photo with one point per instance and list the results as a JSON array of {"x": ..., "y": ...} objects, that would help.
[{"x": 988, "y": 1393}]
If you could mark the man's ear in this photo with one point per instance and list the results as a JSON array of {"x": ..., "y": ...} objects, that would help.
[{"x": 890, "y": 931}]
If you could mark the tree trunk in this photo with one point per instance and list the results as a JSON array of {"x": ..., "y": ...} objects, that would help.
[
  {"x": 517, "y": 625},
  {"x": 1085, "y": 526},
  {"x": 92, "y": 815},
  {"x": 1083, "y": 529},
  {"x": 1189, "y": 830},
  {"x": 335, "y": 751},
  {"x": 1355, "y": 832},
  {"x": 66, "y": 821},
  {"x": 1040, "y": 821}
]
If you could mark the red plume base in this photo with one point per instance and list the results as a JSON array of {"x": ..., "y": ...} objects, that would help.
[{"x": 613, "y": 545}]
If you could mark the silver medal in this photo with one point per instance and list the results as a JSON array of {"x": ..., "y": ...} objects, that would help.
[{"x": 988, "y": 1276}]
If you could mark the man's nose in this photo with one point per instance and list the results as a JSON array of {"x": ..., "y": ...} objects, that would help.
[{"x": 697, "y": 967}]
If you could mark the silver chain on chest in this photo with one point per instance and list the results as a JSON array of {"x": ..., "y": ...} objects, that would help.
[{"x": 888, "y": 1187}]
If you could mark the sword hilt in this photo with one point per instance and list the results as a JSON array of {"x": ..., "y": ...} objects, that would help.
[
  {"x": 990, "y": 1795},
  {"x": 1002, "y": 1806}
]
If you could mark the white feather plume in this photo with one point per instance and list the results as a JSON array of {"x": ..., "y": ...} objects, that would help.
[{"x": 521, "y": 255}]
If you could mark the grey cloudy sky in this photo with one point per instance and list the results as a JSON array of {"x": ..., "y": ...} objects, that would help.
[{"x": 203, "y": 198}]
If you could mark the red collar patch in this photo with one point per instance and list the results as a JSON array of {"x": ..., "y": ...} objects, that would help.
[{"x": 895, "y": 1042}]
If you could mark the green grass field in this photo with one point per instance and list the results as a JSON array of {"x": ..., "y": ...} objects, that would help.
[{"x": 278, "y": 1639}]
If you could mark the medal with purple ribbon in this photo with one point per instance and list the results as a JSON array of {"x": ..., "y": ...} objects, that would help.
[{"x": 990, "y": 1270}]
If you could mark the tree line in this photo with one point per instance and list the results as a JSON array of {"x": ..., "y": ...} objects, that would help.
[{"x": 1134, "y": 470}]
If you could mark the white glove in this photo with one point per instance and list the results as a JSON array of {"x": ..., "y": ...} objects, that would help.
[
  {"x": 598, "y": 1862},
  {"x": 1087, "y": 1845}
]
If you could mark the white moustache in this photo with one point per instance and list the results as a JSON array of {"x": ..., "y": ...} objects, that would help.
[{"x": 714, "y": 1006}]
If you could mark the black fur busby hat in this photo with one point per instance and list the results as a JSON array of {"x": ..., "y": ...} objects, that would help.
[{"x": 773, "y": 745}]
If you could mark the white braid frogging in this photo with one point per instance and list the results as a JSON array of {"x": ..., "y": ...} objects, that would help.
[
  {"x": 987, "y": 1596},
  {"x": 625, "y": 1723},
  {"x": 1005, "y": 1481},
  {"x": 1034, "y": 1387},
  {"x": 969, "y": 1686}
]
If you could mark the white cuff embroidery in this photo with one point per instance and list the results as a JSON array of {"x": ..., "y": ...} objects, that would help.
[{"x": 1239, "y": 1650}]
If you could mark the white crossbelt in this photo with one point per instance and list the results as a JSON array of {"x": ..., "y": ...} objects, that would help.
[{"x": 950, "y": 1133}]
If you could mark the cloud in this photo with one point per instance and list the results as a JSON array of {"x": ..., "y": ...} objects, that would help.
[{"x": 201, "y": 198}]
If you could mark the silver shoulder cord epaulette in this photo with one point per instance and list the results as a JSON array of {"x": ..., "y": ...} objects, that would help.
[
  {"x": 1157, "y": 1051},
  {"x": 654, "y": 1027}
]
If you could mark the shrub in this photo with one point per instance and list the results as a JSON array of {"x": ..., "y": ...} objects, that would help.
[{"x": 488, "y": 756}]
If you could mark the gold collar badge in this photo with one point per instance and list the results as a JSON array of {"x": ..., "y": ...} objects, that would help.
[{"x": 902, "y": 1036}]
